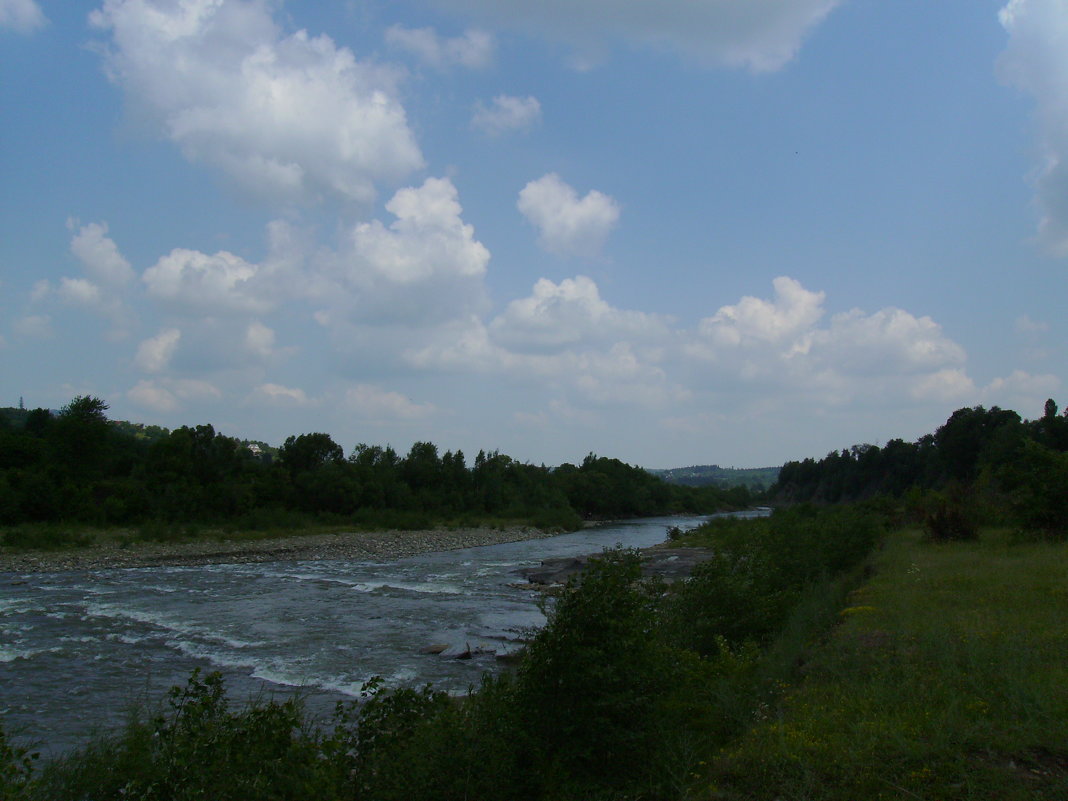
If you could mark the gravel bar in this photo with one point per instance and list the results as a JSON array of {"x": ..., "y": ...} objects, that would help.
[{"x": 361, "y": 546}]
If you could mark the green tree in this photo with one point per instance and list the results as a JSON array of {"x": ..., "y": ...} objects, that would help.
[{"x": 308, "y": 452}]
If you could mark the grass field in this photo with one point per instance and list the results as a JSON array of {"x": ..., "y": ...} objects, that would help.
[{"x": 946, "y": 679}]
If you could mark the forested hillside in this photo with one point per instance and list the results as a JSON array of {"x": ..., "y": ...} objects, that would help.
[
  {"x": 756, "y": 479},
  {"x": 982, "y": 465},
  {"x": 77, "y": 466}
]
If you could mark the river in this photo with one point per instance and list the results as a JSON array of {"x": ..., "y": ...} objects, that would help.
[{"x": 78, "y": 649}]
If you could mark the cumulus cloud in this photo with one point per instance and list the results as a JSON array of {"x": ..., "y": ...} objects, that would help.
[
  {"x": 425, "y": 267},
  {"x": 171, "y": 394},
  {"x": 506, "y": 114},
  {"x": 1022, "y": 391},
  {"x": 259, "y": 339},
  {"x": 887, "y": 341},
  {"x": 473, "y": 50},
  {"x": 374, "y": 402},
  {"x": 784, "y": 345},
  {"x": 759, "y": 35},
  {"x": 99, "y": 254},
  {"x": 790, "y": 315},
  {"x": 280, "y": 395},
  {"x": 1036, "y": 61},
  {"x": 40, "y": 291},
  {"x": 571, "y": 312},
  {"x": 154, "y": 354},
  {"x": 21, "y": 16},
  {"x": 197, "y": 283},
  {"x": 568, "y": 225},
  {"x": 951, "y": 385},
  {"x": 428, "y": 237},
  {"x": 292, "y": 117},
  {"x": 1026, "y": 325},
  {"x": 33, "y": 326},
  {"x": 80, "y": 292},
  {"x": 564, "y": 336}
]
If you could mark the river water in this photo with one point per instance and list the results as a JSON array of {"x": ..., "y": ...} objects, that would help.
[{"x": 77, "y": 649}]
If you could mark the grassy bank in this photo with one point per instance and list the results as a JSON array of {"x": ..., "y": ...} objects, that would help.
[{"x": 947, "y": 679}]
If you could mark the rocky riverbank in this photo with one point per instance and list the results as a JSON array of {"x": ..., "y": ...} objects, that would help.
[
  {"x": 669, "y": 564},
  {"x": 375, "y": 545}
]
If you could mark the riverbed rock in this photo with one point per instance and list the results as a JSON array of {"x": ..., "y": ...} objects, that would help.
[{"x": 669, "y": 564}]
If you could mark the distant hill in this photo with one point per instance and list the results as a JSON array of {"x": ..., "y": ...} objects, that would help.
[{"x": 756, "y": 478}]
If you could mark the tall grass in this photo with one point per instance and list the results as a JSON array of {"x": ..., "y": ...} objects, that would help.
[{"x": 947, "y": 679}]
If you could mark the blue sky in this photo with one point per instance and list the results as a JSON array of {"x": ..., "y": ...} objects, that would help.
[{"x": 668, "y": 231}]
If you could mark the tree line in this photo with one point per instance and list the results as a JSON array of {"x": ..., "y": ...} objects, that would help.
[
  {"x": 982, "y": 465},
  {"x": 77, "y": 466}
]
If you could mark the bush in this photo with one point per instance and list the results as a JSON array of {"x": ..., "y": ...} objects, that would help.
[
  {"x": 1038, "y": 485},
  {"x": 948, "y": 516},
  {"x": 199, "y": 749},
  {"x": 45, "y": 536},
  {"x": 16, "y": 768}
]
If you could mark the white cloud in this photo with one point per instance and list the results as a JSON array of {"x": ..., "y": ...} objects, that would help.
[
  {"x": 34, "y": 326},
  {"x": 201, "y": 284},
  {"x": 40, "y": 291},
  {"x": 80, "y": 292},
  {"x": 376, "y": 403},
  {"x": 782, "y": 343},
  {"x": 280, "y": 395},
  {"x": 152, "y": 396},
  {"x": 428, "y": 237},
  {"x": 290, "y": 117},
  {"x": 259, "y": 339},
  {"x": 566, "y": 224},
  {"x": 1022, "y": 391},
  {"x": 22, "y": 16},
  {"x": 426, "y": 267},
  {"x": 567, "y": 337},
  {"x": 888, "y": 341},
  {"x": 1036, "y": 61},
  {"x": 100, "y": 255},
  {"x": 760, "y": 35},
  {"x": 506, "y": 114},
  {"x": 170, "y": 394},
  {"x": 951, "y": 385},
  {"x": 790, "y": 316},
  {"x": 154, "y": 354},
  {"x": 571, "y": 312},
  {"x": 1026, "y": 325},
  {"x": 473, "y": 50}
]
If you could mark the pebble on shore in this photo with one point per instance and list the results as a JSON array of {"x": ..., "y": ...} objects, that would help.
[{"x": 375, "y": 545}]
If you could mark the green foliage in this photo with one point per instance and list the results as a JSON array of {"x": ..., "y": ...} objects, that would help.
[
  {"x": 945, "y": 679},
  {"x": 1038, "y": 486},
  {"x": 981, "y": 466},
  {"x": 199, "y": 749},
  {"x": 756, "y": 479},
  {"x": 16, "y": 768},
  {"x": 589, "y": 684},
  {"x": 79, "y": 468},
  {"x": 946, "y": 516},
  {"x": 44, "y": 536}
]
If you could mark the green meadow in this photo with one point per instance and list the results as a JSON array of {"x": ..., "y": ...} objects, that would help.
[{"x": 946, "y": 678}]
